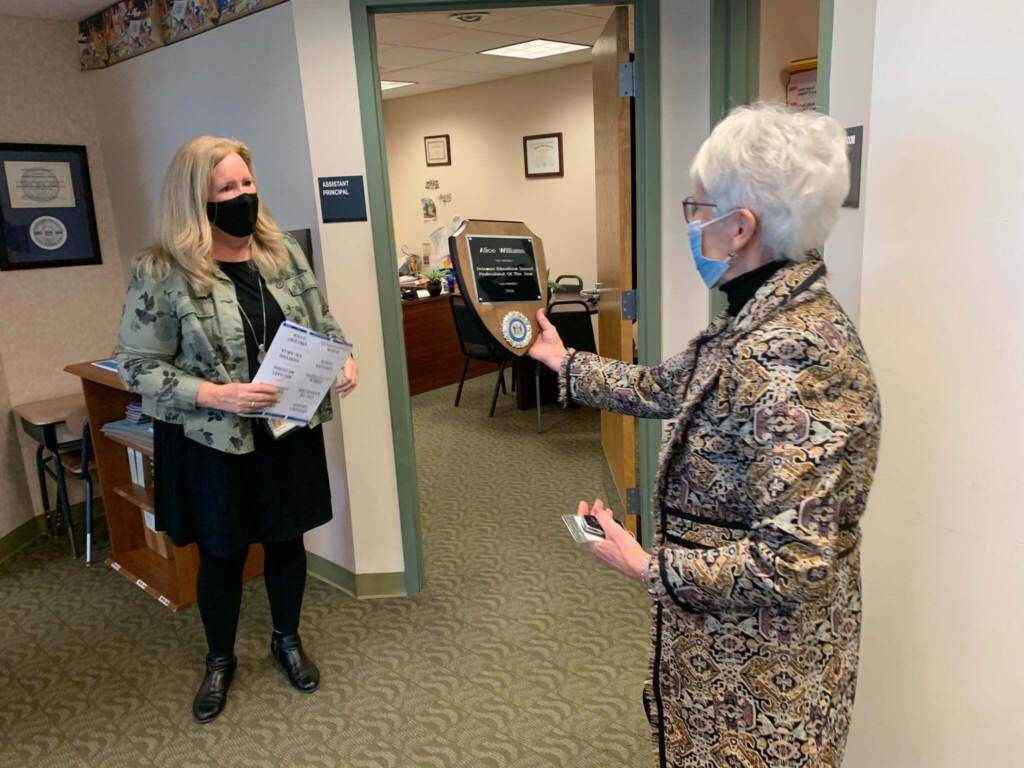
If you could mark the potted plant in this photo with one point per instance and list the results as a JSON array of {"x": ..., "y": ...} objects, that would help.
[{"x": 435, "y": 278}]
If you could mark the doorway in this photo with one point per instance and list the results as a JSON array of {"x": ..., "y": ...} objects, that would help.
[
  {"x": 758, "y": 49},
  {"x": 646, "y": 151}
]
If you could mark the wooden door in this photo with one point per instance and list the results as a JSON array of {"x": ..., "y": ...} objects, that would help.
[{"x": 613, "y": 148}]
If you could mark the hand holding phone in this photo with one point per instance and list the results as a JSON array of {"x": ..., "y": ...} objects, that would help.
[{"x": 592, "y": 526}]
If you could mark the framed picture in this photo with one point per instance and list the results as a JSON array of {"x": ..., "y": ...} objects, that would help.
[
  {"x": 542, "y": 155},
  {"x": 46, "y": 212},
  {"x": 438, "y": 149}
]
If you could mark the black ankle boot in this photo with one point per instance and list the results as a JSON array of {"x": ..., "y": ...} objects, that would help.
[
  {"x": 286, "y": 651},
  {"x": 213, "y": 692}
]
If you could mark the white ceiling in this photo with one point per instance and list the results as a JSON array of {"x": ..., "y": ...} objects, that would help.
[
  {"x": 74, "y": 10},
  {"x": 436, "y": 51},
  {"x": 433, "y": 49}
]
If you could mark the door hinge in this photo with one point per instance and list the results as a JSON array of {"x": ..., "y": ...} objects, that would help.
[
  {"x": 627, "y": 79},
  {"x": 629, "y": 305}
]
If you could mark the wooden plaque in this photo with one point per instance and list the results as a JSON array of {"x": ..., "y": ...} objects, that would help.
[{"x": 503, "y": 277}]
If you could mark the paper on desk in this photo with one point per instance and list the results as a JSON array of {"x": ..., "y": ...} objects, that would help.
[{"x": 302, "y": 364}]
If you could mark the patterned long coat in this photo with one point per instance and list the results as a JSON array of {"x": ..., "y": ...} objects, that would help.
[{"x": 755, "y": 576}]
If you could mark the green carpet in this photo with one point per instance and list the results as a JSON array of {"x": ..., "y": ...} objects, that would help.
[{"x": 520, "y": 652}]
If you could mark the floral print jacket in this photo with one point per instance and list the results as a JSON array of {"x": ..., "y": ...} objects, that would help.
[
  {"x": 764, "y": 475},
  {"x": 172, "y": 340}
]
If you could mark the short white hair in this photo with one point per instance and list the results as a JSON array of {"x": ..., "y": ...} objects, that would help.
[{"x": 790, "y": 168}]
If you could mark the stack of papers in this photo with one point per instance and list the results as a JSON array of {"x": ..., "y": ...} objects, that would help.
[
  {"x": 137, "y": 434},
  {"x": 133, "y": 413}
]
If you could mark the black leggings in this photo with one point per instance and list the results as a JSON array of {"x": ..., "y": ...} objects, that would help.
[{"x": 219, "y": 591}]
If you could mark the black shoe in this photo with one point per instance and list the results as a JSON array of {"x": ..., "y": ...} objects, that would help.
[
  {"x": 213, "y": 692},
  {"x": 286, "y": 651}
]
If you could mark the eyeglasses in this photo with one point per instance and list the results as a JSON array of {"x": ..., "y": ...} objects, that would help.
[{"x": 691, "y": 206}]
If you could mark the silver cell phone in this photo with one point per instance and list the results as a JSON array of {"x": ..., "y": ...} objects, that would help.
[{"x": 582, "y": 533}]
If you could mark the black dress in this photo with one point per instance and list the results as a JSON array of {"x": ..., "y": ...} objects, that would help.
[{"x": 227, "y": 501}]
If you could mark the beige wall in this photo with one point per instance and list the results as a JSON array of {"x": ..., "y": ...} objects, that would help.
[
  {"x": 51, "y": 317},
  {"x": 685, "y": 117},
  {"x": 292, "y": 99},
  {"x": 789, "y": 30},
  {"x": 15, "y": 501},
  {"x": 373, "y": 539},
  {"x": 487, "y": 123},
  {"x": 942, "y": 320}
]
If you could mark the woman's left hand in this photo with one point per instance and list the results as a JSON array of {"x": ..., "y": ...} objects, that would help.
[
  {"x": 619, "y": 551},
  {"x": 350, "y": 378}
]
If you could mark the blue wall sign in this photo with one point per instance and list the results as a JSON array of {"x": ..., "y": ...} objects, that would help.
[{"x": 342, "y": 198}]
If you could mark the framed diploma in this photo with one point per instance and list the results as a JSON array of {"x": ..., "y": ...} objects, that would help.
[
  {"x": 502, "y": 276},
  {"x": 46, "y": 211},
  {"x": 542, "y": 155},
  {"x": 438, "y": 150}
]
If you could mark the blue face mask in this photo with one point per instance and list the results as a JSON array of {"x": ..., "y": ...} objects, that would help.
[{"x": 710, "y": 270}]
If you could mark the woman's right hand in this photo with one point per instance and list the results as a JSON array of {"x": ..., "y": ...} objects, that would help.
[
  {"x": 237, "y": 398},
  {"x": 548, "y": 348}
]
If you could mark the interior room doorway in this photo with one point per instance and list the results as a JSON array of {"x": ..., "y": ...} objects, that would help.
[{"x": 400, "y": 53}]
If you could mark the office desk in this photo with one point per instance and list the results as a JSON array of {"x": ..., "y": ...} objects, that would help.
[{"x": 432, "y": 352}]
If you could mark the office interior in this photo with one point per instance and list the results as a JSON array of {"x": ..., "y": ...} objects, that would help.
[{"x": 472, "y": 631}]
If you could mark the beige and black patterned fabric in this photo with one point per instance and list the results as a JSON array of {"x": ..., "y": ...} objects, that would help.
[
  {"x": 520, "y": 653},
  {"x": 764, "y": 476}
]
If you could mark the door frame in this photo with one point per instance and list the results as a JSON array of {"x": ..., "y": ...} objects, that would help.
[
  {"x": 647, "y": 194},
  {"x": 736, "y": 67}
]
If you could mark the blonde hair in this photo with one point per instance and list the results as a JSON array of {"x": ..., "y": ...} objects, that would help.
[{"x": 184, "y": 234}]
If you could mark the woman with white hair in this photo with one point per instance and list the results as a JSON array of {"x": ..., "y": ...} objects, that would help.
[
  {"x": 203, "y": 306},
  {"x": 765, "y": 473}
]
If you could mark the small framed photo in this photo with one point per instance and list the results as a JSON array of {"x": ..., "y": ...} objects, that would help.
[
  {"x": 438, "y": 149},
  {"x": 46, "y": 211},
  {"x": 542, "y": 155}
]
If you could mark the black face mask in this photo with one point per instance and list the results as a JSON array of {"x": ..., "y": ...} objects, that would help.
[{"x": 236, "y": 216}]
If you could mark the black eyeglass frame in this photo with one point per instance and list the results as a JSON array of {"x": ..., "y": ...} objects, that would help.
[{"x": 690, "y": 206}]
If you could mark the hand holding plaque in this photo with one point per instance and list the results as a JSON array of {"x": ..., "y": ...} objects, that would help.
[{"x": 500, "y": 269}]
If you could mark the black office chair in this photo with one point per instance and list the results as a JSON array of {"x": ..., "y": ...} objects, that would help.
[
  {"x": 575, "y": 327},
  {"x": 477, "y": 344}
]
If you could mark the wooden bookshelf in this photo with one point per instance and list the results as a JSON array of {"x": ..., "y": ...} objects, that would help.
[{"x": 171, "y": 582}]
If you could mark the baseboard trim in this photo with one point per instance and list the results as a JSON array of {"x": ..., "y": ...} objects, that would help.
[
  {"x": 35, "y": 528},
  {"x": 364, "y": 586},
  {"x": 20, "y": 537}
]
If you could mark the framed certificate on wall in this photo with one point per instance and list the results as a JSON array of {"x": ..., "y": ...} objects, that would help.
[
  {"x": 46, "y": 210},
  {"x": 438, "y": 149},
  {"x": 542, "y": 155}
]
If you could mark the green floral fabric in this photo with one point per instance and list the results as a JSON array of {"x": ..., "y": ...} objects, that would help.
[{"x": 171, "y": 340}]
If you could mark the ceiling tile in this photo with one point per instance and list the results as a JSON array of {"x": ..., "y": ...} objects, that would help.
[
  {"x": 475, "y": 62},
  {"x": 405, "y": 56},
  {"x": 470, "y": 41},
  {"x": 411, "y": 90},
  {"x": 600, "y": 11},
  {"x": 583, "y": 36},
  {"x": 543, "y": 24},
  {"x": 492, "y": 17},
  {"x": 399, "y": 29}
]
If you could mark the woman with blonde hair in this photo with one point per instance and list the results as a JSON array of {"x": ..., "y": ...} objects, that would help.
[
  {"x": 203, "y": 305},
  {"x": 754, "y": 578}
]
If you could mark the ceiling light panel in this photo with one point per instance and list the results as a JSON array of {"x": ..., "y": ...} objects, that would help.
[
  {"x": 387, "y": 85},
  {"x": 535, "y": 49}
]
